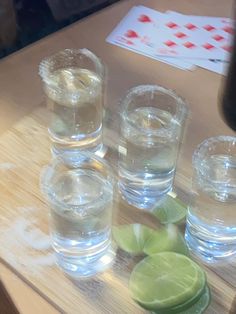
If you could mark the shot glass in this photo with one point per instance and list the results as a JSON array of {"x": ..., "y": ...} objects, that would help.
[
  {"x": 211, "y": 219},
  {"x": 79, "y": 192},
  {"x": 74, "y": 81},
  {"x": 152, "y": 120}
]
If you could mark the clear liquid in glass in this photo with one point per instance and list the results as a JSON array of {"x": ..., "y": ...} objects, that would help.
[
  {"x": 211, "y": 222},
  {"x": 80, "y": 220},
  {"x": 148, "y": 156},
  {"x": 74, "y": 98}
]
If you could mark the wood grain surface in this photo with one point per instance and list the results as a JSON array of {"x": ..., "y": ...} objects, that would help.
[
  {"x": 25, "y": 299},
  {"x": 25, "y": 149}
]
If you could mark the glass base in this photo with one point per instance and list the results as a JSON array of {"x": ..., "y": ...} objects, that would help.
[
  {"x": 99, "y": 150},
  {"x": 85, "y": 267},
  {"x": 141, "y": 202},
  {"x": 209, "y": 251}
]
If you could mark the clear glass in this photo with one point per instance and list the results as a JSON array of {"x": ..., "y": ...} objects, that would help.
[
  {"x": 79, "y": 191},
  {"x": 152, "y": 121},
  {"x": 211, "y": 221},
  {"x": 73, "y": 81}
]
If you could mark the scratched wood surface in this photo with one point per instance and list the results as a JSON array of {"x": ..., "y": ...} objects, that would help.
[{"x": 25, "y": 149}]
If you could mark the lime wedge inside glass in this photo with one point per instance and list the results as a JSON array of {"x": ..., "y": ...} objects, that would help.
[
  {"x": 131, "y": 238},
  {"x": 168, "y": 238},
  {"x": 166, "y": 280},
  {"x": 171, "y": 210}
]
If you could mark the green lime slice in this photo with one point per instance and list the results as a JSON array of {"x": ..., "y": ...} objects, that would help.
[
  {"x": 131, "y": 238},
  {"x": 171, "y": 210},
  {"x": 166, "y": 280},
  {"x": 198, "y": 305},
  {"x": 201, "y": 305},
  {"x": 166, "y": 239}
]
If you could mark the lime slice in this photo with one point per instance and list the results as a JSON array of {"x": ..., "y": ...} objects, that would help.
[
  {"x": 166, "y": 280},
  {"x": 166, "y": 239},
  {"x": 132, "y": 238},
  {"x": 198, "y": 305},
  {"x": 201, "y": 305},
  {"x": 171, "y": 210}
]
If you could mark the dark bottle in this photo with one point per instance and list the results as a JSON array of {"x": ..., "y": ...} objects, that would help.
[{"x": 228, "y": 102}]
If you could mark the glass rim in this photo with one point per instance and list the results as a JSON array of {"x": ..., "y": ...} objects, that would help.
[
  {"x": 181, "y": 105},
  {"x": 66, "y": 159},
  {"x": 45, "y": 72},
  {"x": 199, "y": 151}
]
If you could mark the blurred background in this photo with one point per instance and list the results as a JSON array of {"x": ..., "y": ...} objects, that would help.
[{"x": 25, "y": 21}]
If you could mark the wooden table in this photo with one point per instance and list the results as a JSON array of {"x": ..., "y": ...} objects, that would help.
[{"x": 28, "y": 270}]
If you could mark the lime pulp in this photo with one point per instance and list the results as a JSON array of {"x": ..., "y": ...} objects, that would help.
[
  {"x": 132, "y": 238},
  {"x": 166, "y": 280},
  {"x": 171, "y": 210}
]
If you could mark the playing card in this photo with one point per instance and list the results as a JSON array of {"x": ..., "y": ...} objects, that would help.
[
  {"x": 194, "y": 37},
  {"x": 138, "y": 31},
  {"x": 135, "y": 30},
  {"x": 181, "y": 64},
  {"x": 214, "y": 65}
]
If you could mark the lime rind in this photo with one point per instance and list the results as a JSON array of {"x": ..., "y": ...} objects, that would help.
[
  {"x": 171, "y": 210},
  {"x": 132, "y": 238},
  {"x": 165, "y": 280},
  {"x": 197, "y": 305},
  {"x": 201, "y": 305}
]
